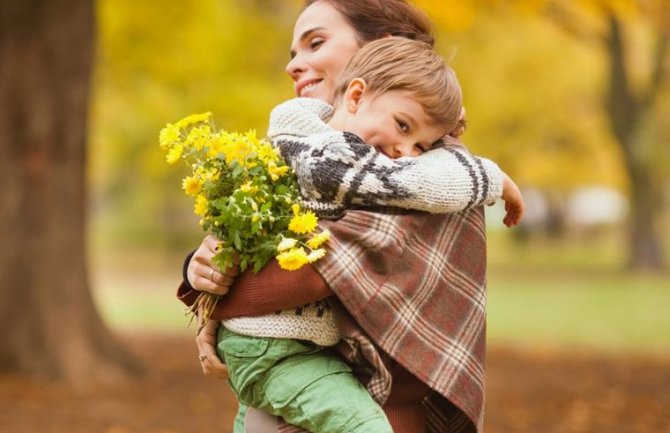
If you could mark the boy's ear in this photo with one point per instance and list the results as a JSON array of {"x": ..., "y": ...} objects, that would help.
[{"x": 354, "y": 94}]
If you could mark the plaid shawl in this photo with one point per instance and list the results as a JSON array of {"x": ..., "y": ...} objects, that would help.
[{"x": 416, "y": 284}]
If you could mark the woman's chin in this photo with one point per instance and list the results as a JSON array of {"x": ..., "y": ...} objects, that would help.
[{"x": 316, "y": 92}]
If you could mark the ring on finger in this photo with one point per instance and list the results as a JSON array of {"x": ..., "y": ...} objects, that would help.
[{"x": 211, "y": 275}]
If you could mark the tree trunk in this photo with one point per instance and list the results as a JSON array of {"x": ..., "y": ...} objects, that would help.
[
  {"x": 629, "y": 117},
  {"x": 49, "y": 320},
  {"x": 645, "y": 239}
]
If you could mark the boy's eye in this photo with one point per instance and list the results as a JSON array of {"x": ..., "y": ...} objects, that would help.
[{"x": 420, "y": 149}]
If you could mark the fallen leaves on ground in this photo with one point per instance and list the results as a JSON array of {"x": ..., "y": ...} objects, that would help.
[{"x": 538, "y": 391}]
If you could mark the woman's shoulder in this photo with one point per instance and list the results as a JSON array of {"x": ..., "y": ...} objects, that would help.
[
  {"x": 386, "y": 225},
  {"x": 299, "y": 116}
]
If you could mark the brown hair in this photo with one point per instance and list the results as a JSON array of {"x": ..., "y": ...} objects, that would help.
[
  {"x": 374, "y": 19},
  {"x": 401, "y": 64}
]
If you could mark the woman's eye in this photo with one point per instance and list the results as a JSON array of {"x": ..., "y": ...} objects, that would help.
[{"x": 316, "y": 43}]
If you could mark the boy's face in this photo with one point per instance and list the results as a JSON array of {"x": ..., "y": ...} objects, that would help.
[{"x": 393, "y": 122}]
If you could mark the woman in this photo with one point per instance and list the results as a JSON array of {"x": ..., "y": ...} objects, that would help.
[{"x": 422, "y": 274}]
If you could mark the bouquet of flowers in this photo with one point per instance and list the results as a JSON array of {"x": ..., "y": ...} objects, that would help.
[{"x": 246, "y": 196}]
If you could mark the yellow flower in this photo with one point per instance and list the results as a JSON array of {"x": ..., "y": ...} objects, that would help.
[
  {"x": 174, "y": 154},
  {"x": 206, "y": 174},
  {"x": 266, "y": 152},
  {"x": 193, "y": 119},
  {"x": 236, "y": 154},
  {"x": 200, "y": 207},
  {"x": 286, "y": 244},
  {"x": 191, "y": 185},
  {"x": 250, "y": 136},
  {"x": 295, "y": 208},
  {"x": 198, "y": 137},
  {"x": 248, "y": 187},
  {"x": 168, "y": 135},
  {"x": 318, "y": 240},
  {"x": 292, "y": 259},
  {"x": 276, "y": 172},
  {"x": 316, "y": 255},
  {"x": 219, "y": 144},
  {"x": 303, "y": 223}
]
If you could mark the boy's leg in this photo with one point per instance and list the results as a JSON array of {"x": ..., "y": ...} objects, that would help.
[
  {"x": 301, "y": 383},
  {"x": 334, "y": 402},
  {"x": 258, "y": 421}
]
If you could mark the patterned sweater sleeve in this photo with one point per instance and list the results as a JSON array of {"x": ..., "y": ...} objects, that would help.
[{"x": 337, "y": 170}]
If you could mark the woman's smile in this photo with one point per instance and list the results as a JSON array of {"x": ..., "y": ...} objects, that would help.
[{"x": 304, "y": 86}]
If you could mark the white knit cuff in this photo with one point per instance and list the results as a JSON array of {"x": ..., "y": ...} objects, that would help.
[{"x": 495, "y": 177}]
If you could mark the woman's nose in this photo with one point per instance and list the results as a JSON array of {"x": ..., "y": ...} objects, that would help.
[{"x": 295, "y": 67}]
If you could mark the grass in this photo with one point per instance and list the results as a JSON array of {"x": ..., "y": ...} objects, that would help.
[
  {"x": 574, "y": 292},
  {"x": 607, "y": 312},
  {"x": 136, "y": 291},
  {"x": 568, "y": 294}
]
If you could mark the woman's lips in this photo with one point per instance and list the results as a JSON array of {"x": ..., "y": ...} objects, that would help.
[{"x": 303, "y": 87}]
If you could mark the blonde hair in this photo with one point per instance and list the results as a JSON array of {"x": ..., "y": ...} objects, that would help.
[{"x": 401, "y": 64}]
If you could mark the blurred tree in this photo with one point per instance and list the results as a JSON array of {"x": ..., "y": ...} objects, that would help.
[
  {"x": 159, "y": 62},
  {"x": 51, "y": 326},
  {"x": 631, "y": 40},
  {"x": 630, "y": 100}
]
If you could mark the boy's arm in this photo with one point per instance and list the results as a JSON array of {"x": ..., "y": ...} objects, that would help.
[
  {"x": 442, "y": 180},
  {"x": 339, "y": 169}
]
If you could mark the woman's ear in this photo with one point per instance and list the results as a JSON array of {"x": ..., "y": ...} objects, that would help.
[{"x": 354, "y": 94}]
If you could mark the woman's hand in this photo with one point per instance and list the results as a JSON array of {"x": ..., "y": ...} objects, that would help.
[
  {"x": 209, "y": 361},
  {"x": 514, "y": 205},
  {"x": 203, "y": 275}
]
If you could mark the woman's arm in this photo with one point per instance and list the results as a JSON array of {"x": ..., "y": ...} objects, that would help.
[{"x": 271, "y": 289}]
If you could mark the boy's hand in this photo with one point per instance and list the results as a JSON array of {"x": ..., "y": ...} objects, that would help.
[{"x": 514, "y": 205}]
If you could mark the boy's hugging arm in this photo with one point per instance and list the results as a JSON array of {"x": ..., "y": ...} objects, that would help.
[
  {"x": 442, "y": 180},
  {"x": 348, "y": 172},
  {"x": 336, "y": 169}
]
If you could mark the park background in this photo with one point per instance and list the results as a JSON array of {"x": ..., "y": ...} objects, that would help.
[{"x": 572, "y": 99}]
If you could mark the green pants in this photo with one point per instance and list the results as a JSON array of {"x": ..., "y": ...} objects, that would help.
[{"x": 300, "y": 382}]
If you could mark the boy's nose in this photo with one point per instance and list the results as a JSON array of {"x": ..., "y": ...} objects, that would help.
[{"x": 403, "y": 149}]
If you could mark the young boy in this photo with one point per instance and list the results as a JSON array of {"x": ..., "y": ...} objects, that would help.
[{"x": 399, "y": 97}]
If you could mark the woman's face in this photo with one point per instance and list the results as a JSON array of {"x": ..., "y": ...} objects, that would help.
[{"x": 323, "y": 43}]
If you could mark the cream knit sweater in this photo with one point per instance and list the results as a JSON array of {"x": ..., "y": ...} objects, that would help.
[{"x": 336, "y": 170}]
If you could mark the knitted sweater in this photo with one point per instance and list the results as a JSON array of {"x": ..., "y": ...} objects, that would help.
[{"x": 336, "y": 170}]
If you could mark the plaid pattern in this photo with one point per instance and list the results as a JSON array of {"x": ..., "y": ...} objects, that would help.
[
  {"x": 416, "y": 285},
  {"x": 362, "y": 355}
]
